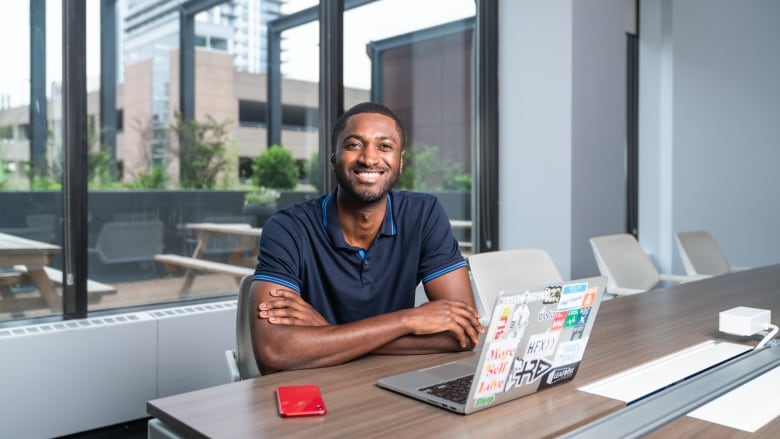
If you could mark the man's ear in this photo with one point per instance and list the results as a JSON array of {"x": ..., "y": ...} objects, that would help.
[
  {"x": 333, "y": 160},
  {"x": 401, "y": 169}
]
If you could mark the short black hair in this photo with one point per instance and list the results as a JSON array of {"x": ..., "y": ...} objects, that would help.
[{"x": 366, "y": 107}]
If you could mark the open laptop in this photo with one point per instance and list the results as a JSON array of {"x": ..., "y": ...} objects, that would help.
[{"x": 536, "y": 339}]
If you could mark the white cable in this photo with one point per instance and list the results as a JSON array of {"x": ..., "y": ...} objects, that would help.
[{"x": 769, "y": 336}]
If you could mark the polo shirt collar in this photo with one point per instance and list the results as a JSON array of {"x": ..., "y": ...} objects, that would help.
[{"x": 330, "y": 220}]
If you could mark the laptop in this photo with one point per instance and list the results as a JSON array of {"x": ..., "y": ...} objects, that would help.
[{"x": 536, "y": 339}]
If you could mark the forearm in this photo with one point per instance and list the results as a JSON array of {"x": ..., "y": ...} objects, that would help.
[
  {"x": 422, "y": 344},
  {"x": 301, "y": 347}
]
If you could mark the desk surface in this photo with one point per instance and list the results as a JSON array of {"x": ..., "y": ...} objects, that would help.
[{"x": 629, "y": 331}]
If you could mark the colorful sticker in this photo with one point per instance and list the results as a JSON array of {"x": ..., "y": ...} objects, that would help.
[
  {"x": 570, "y": 351},
  {"x": 572, "y": 296},
  {"x": 558, "y": 375},
  {"x": 590, "y": 297},
  {"x": 545, "y": 314},
  {"x": 541, "y": 345},
  {"x": 527, "y": 371},
  {"x": 572, "y": 319},
  {"x": 558, "y": 320},
  {"x": 496, "y": 368},
  {"x": 553, "y": 295},
  {"x": 584, "y": 314},
  {"x": 499, "y": 323}
]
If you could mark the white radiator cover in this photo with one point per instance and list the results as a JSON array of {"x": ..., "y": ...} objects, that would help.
[{"x": 71, "y": 376}]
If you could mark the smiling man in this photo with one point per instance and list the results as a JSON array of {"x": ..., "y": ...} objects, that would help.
[{"x": 336, "y": 276}]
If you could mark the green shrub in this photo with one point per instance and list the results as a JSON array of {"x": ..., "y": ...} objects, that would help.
[
  {"x": 275, "y": 168},
  {"x": 426, "y": 170}
]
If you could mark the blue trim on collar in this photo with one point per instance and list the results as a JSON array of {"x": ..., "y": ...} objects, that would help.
[{"x": 325, "y": 202}]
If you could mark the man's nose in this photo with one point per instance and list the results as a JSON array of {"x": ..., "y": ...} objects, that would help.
[{"x": 370, "y": 155}]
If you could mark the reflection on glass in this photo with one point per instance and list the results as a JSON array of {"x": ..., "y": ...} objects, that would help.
[
  {"x": 421, "y": 68},
  {"x": 170, "y": 194},
  {"x": 30, "y": 162},
  {"x": 181, "y": 217}
]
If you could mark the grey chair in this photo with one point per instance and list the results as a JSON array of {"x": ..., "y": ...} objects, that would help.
[
  {"x": 493, "y": 272},
  {"x": 701, "y": 255},
  {"x": 628, "y": 268},
  {"x": 241, "y": 361}
]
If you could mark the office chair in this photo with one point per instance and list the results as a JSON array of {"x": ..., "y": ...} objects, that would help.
[
  {"x": 493, "y": 272},
  {"x": 241, "y": 361},
  {"x": 628, "y": 268},
  {"x": 701, "y": 255}
]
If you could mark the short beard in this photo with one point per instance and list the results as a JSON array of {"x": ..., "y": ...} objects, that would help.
[{"x": 366, "y": 196}]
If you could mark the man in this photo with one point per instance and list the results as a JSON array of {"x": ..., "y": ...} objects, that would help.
[{"x": 336, "y": 276}]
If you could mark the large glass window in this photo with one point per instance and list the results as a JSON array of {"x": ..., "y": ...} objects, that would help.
[
  {"x": 176, "y": 203},
  {"x": 31, "y": 166},
  {"x": 420, "y": 65}
]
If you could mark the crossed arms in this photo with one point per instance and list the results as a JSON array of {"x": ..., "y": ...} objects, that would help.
[{"x": 289, "y": 334}]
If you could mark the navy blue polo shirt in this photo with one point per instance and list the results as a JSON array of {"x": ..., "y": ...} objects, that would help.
[{"x": 302, "y": 247}]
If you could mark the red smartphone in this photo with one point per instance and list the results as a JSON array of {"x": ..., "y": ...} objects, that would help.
[{"x": 303, "y": 400}]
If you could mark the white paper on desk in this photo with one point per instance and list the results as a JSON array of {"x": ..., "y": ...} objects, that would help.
[
  {"x": 748, "y": 407},
  {"x": 647, "y": 378}
]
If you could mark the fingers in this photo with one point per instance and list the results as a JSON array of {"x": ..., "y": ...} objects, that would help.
[
  {"x": 456, "y": 317},
  {"x": 286, "y": 307}
]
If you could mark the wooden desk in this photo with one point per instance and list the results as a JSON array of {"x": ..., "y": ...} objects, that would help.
[
  {"x": 647, "y": 326},
  {"x": 358, "y": 408},
  {"x": 629, "y": 331},
  {"x": 34, "y": 256}
]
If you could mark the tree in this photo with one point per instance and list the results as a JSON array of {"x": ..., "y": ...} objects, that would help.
[{"x": 203, "y": 151}]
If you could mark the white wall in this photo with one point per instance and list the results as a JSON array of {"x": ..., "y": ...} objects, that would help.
[
  {"x": 62, "y": 378},
  {"x": 561, "y": 126},
  {"x": 710, "y": 127}
]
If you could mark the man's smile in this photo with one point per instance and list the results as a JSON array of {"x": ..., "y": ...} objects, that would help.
[{"x": 368, "y": 176}]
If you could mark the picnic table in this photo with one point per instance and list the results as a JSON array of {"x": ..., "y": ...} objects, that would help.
[
  {"x": 205, "y": 233},
  {"x": 26, "y": 260}
]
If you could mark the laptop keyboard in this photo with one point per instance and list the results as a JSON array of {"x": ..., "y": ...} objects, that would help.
[{"x": 456, "y": 390}]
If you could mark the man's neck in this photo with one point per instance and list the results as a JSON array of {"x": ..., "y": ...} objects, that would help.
[{"x": 360, "y": 223}]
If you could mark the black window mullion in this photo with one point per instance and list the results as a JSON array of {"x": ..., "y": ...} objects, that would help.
[
  {"x": 331, "y": 87},
  {"x": 485, "y": 169},
  {"x": 74, "y": 184}
]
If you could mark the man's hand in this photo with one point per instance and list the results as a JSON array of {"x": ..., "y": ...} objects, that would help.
[
  {"x": 457, "y": 317},
  {"x": 286, "y": 307}
]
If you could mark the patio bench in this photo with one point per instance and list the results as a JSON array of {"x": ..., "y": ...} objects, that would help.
[
  {"x": 191, "y": 263},
  {"x": 96, "y": 290}
]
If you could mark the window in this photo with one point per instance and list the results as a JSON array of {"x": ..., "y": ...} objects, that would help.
[{"x": 145, "y": 183}]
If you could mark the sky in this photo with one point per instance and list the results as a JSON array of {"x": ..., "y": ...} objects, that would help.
[
  {"x": 371, "y": 22},
  {"x": 15, "y": 31}
]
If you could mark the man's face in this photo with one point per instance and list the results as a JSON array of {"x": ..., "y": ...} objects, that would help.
[{"x": 368, "y": 157}]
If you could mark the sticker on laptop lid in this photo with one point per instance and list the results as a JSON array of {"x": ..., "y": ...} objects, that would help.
[
  {"x": 570, "y": 351},
  {"x": 492, "y": 377}
]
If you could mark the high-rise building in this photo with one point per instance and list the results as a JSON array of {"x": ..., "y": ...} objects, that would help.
[{"x": 237, "y": 27}]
